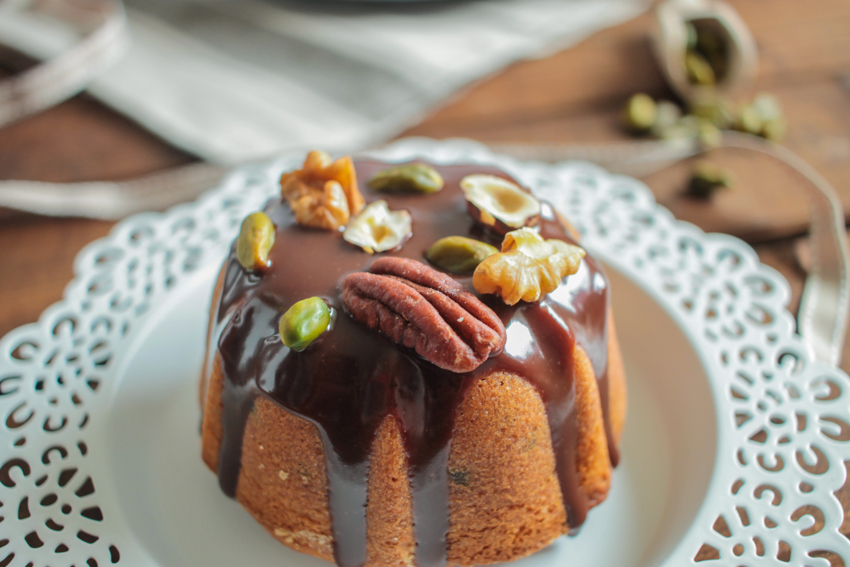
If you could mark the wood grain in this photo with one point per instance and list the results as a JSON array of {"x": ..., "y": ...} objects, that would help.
[
  {"x": 571, "y": 97},
  {"x": 576, "y": 96}
]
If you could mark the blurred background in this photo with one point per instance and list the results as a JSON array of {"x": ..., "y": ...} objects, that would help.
[{"x": 224, "y": 82}]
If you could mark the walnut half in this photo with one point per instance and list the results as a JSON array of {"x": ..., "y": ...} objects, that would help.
[
  {"x": 323, "y": 193},
  {"x": 326, "y": 208},
  {"x": 528, "y": 267}
]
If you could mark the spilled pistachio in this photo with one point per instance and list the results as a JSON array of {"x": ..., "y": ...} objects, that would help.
[
  {"x": 762, "y": 117},
  {"x": 708, "y": 178},
  {"x": 699, "y": 70},
  {"x": 749, "y": 120},
  {"x": 640, "y": 112},
  {"x": 772, "y": 118},
  {"x": 686, "y": 127},
  {"x": 411, "y": 177},
  {"x": 459, "y": 254},
  {"x": 707, "y": 51},
  {"x": 774, "y": 129},
  {"x": 667, "y": 116},
  {"x": 767, "y": 107},
  {"x": 719, "y": 111},
  {"x": 255, "y": 241},
  {"x": 709, "y": 135},
  {"x": 304, "y": 322}
]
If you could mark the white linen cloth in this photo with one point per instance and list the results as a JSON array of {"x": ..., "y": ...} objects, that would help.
[{"x": 237, "y": 80}]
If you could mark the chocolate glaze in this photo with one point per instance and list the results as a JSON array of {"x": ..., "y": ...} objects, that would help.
[{"x": 351, "y": 378}]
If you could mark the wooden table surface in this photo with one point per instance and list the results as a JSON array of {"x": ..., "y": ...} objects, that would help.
[{"x": 574, "y": 96}]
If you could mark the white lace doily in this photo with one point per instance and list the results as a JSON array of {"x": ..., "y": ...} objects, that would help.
[{"x": 782, "y": 419}]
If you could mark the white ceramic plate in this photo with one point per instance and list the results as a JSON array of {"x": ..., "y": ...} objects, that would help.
[{"x": 729, "y": 417}]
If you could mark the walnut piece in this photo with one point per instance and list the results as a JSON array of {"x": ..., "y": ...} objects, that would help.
[
  {"x": 378, "y": 229},
  {"x": 323, "y": 193},
  {"x": 418, "y": 307},
  {"x": 528, "y": 267},
  {"x": 327, "y": 209}
]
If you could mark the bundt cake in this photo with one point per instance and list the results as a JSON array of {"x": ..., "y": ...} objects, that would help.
[{"x": 422, "y": 370}]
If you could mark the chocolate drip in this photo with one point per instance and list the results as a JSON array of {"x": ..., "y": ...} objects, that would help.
[
  {"x": 553, "y": 334},
  {"x": 350, "y": 379}
]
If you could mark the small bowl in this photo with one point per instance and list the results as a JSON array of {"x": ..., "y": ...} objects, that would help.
[{"x": 670, "y": 43}]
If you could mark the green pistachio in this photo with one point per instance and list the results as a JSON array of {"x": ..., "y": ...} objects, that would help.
[
  {"x": 412, "y": 177},
  {"x": 719, "y": 111},
  {"x": 668, "y": 115},
  {"x": 640, "y": 112},
  {"x": 256, "y": 238},
  {"x": 699, "y": 70},
  {"x": 304, "y": 322},
  {"x": 458, "y": 254},
  {"x": 708, "y": 178},
  {"x": 767, "y": 107},
  {"x": 772, "y": 118},
  {"x": 686, "y": 127},
  {"x": 749, "y": 120},
  {"x": 774, "y": 129},
  {"x": 763, "y": 117},
  {"x": 709, "y": 135}
]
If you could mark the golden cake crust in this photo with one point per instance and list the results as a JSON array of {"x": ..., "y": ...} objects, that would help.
[{"x": 504, "y": 497}]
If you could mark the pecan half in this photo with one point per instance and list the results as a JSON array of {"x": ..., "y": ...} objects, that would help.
[{"x": 418, "y": 307}]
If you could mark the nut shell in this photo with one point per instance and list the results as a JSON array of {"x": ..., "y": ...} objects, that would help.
[
  {"x": 378, "y": 229},
  {"x": 499, "y": 204}
]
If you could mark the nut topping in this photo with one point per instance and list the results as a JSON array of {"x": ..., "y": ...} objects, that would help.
[
  {"x": 255, "y": 241},
  {"x": 304, "y": 322},
  {"x": 528, "y": 267},
  {"x": 411, "y": 177},
  {"x": 459, "y": 254},
  {"x": 378, "y": 229},
  {"x": 326, "y": 208},
  {"x": 498, "y": 203},
  {"x": 420, "y": 308},
  {"x": 323, "y": 193}
]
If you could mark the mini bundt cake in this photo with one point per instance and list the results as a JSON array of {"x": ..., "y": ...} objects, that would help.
[{"x": 420, "y": 371}]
